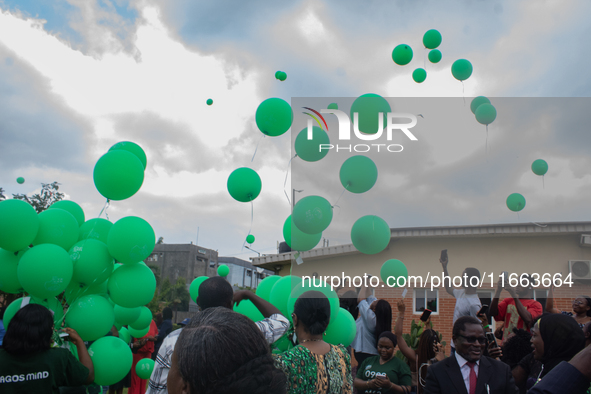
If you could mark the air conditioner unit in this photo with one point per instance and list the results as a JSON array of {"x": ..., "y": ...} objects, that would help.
[
  {"x": 585, "y": 240},
  {"x": 580, "y": 269}
]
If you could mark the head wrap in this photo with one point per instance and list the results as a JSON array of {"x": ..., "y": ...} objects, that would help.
[
  {"x": 390, "y": 336},
  {"x": 562, "y": 337}
]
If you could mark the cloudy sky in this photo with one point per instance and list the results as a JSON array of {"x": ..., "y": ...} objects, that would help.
[{"x": 77, "y": 76}]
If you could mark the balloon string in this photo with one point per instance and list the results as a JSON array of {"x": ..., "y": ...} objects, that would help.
[
  {"x": 286, "y": 174},
  {"x": 463, "y": 95},
  {"x": 251, "y": 220},
  {"x": 486, "y": 143},
  {"x": 543, "y": 185},
  {"x": 257, "y": 147},
  {"x": 105, "y": 207}
]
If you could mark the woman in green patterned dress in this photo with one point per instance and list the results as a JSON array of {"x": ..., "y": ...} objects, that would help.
[{"x": 315, "y": 366}]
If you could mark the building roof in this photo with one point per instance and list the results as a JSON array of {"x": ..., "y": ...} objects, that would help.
[
  {"x": 239, "y": 262},
  {"x": 487, "y": 230}
]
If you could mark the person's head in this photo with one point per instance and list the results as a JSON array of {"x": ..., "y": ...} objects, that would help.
[
  {"x": 167, "y": 313},
  {"x": 470, "y": 273},
  {"x": 524, "y": 288},
  {"x": 29, "y": 331},
  {"x": 312, "y": 312},
  {"x": 555, "y": 338},
  {"x": 587, "y": 333},
  {"x": 214, "y": 292},
  {"x": 386, "y": 344},
  {"x": 348, "y": 301},
  {"x": 516, "y": 347},
  {"x": 383, "y": 312},
  {"x": 426, "y": 346},
  {"x": 221, "y": 351},
  {"x": 468, "y": 337},
  {"x": 582, "y": 305}
]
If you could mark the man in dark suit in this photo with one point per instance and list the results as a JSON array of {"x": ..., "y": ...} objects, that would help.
[{"x": 467, "y": 371}]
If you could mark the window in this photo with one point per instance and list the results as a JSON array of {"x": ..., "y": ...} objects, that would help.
[
  {"x": 540, "y": 296},
  {"x": 248, "y": 273},
  {"x": 426, "y": 299},
  {"x": 153, "y": 257},
  {"x": 212, "y": 263}
]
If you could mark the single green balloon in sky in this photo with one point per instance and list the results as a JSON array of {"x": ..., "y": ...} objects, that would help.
[
  {"x": 539, "y": 167},
  {"x": 20, "y": 180},
  {"x": 370, "y": 234},
  {"x": 296, "y": 239},
  {"x": 402, "y": 54},
  {"x": 391, "y": 270},
  {"x": 274, "y": 116},
  {"x": 486, "y": 114},
  {"x": 358, "y": 174},
  {"x": 209, "y": 101},
  {"x": 515, "y": 202},
  {"x": 250, "y": 238},
  {"x": 419, "y": 75},
  {"x": 312, "y": 214},
  {"x": 310, "y": 149},
  {"x": 477, "y": 102},
  {"x": 134, "y": 148},
  {"x": 461, "y": 69},
  {"x": 434, "y": 56},
  {"x": 223, "y": 270},
  {"x": 432, "y": 39},
  {"x": 244, "y": 184},
  {"x": 333, "y": 106},
  {"x": 368, "y": 107}
]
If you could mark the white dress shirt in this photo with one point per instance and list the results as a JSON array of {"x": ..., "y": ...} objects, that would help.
[{"x": 465, "y": 368}]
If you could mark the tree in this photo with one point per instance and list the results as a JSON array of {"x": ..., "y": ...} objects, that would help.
[
  {"x": 43, "y": 200},
  {"x": 160, "y": 241},
  {"x": 2, "y": 196}
]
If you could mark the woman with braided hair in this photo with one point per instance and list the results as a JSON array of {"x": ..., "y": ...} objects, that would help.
[
  {"x": 315, "y": 366},
  {"x": 221, "y": 351}
]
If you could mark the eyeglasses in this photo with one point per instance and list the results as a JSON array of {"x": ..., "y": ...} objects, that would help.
[
  {"x": 577, "y": 302},
  {"x": 481, "y": 340}
]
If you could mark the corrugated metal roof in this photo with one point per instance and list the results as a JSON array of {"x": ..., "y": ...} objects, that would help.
[{"x": 508, "y": 229}]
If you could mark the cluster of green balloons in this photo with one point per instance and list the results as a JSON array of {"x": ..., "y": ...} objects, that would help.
[
  {"x": 119, "y": 173},
  {"x": 515, "y": 201},
  {"x": 280, "y": 75},
  {"x": 483, "y": 110},
  {"x": 403, "y": 54}
]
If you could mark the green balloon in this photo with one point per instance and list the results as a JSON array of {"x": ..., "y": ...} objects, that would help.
[
  {"x": 92, "y": 262},
  {"x": 274, "y": 117},
  {"x": 298, "y": 240},
  {"x": 132, "y": 285},
  {"x": 72, "y": 207},
  {"x": 8, "y": 272},
  {"x": 312, "y": 214},
  {"x": 247, "y": 308},
  {"x": 515, "y": 202},
  {"x": 250, "y": 238},
  {"x": 477, "y": 102},
  {"x": 277, "y": 74},
  {"x": 419, "y": 75},
  {"x": 51, "y": 303},
  {"x": 395, "y": 269},
  {"x": 310, "y": 149},
  {"x": 265, "y": 286},
  {"x": 76, "y": 290},
  {"x": 124, "y": 335},
  {"x": 370, "y": 234},
  {"x": 280, "y": 75},
  {"x": 143, "y": 320},
  {"x": 118, "y": 175},
  {"x": 402, "y": 54},
  {"x": 112, "y": 360},
  {"x": 434, "y": 56},
  {"x": 281, "y": 290},
  {"x": 138, "y": 333},
  {"x": 125, "y": 315},
  {"x": 485, "y": 114},
  {"x": 324, "y": 288},
  {"x": 223, "y": 270},
  {"x": 244, "y": 184},
  {"x": 342, "y": 330},
  {"x": 461, "y": 69},
  {"x": 45, "y": 270},
  {"x": 96, "y": 229},
  {"x": 18, "y": 226},
  {"x": 131, "y": 240},
  {"x": 432, "y": 39},
  {"x": 194, "y": 288},
  {"x": 209, "y": 101},
  {"x": 144, "y": 368},
  {"x": 368, "y": 107},
  {"x": 20, "y": 180},
  {"x": 333, "y": 106},
  {"x": 358, "y": 174},
  {"x": 134, "y": 148},
  {"x": 57, "y": 227},
  {"x": 91, "y": 316},
  {"x": 539, "y": 167}
]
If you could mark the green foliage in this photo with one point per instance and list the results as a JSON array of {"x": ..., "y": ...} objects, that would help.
[
  {"x": 160, "y": 241},
  {"x": 412, "y": 339},
  {"x": 171, "y": 293},
  {"x": 43, "y": 200},
  {"x": 2, "y": 196}
]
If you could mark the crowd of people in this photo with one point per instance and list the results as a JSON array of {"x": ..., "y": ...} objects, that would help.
[{"x": 220, "y": 351}]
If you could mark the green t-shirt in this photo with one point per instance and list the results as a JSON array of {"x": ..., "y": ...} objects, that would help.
[
  {"x": 40, "y": 373},
  {"x": 396, "y": 370}
]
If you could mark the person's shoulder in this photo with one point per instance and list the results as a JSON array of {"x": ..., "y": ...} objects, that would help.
[
  {"x": 458, "y": 293},
  {"x": 495, "y": 363}
]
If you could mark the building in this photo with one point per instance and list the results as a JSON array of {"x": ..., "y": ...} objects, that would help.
[
  {"x": 549, "y": 250},
  {"x": 183, "y": 260},
  {"x": 243, "y": 273}
]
